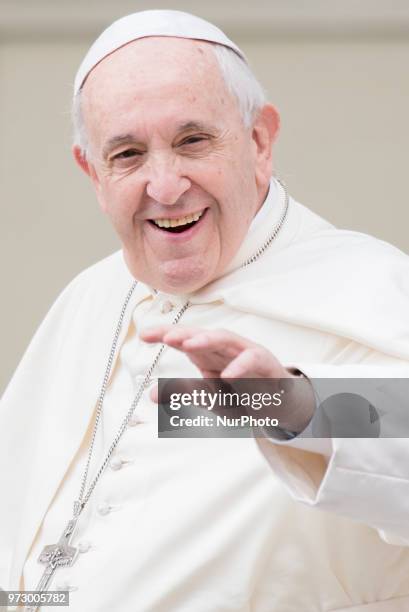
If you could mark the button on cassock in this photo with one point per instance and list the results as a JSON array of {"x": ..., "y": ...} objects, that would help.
[
  {"x": 84, "y": 546},
  {"x": 166, "y": 307},
  {"x": 104, "y": 508},
  {"x": 116, "y": 463},
  {"x": 64, "y": 585},
  {"x": 134, "y": 420}
]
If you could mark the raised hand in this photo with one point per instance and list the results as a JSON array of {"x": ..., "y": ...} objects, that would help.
[
  {"x": 219, "y": 353},
  {"x": 223, "y": 354}
]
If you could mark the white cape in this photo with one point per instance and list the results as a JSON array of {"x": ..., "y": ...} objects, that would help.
[{"x": 313, "y": 275}]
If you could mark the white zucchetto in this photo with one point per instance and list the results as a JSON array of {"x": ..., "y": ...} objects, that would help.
[{"x": 149, "y": 23}]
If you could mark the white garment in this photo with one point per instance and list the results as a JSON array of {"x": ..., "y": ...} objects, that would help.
[{"x": 206, "y": 525}]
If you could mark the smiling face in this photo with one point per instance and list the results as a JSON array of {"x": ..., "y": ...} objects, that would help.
[{"x": 174, "y": 168}]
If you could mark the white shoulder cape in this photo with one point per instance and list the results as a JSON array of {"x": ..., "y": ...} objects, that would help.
[{"x": 313, "y": 275}]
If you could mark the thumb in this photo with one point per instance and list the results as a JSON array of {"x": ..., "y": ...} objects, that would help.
[{"x": 154, "y": 394}]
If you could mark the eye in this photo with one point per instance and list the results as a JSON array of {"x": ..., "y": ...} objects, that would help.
[
  {"x": 191, "y": 140},
  {"x": 127, "y": 154}
]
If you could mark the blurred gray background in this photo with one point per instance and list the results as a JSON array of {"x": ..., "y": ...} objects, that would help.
[{"x": 336, "y": 70}]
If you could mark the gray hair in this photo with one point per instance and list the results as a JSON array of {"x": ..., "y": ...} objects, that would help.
[{"x": 239, "y": 79}]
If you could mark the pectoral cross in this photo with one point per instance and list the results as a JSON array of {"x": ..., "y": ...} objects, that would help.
[{"x": 54, "y": 556}]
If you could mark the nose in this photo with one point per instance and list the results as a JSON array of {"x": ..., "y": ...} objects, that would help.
[{"x": 166, "y": 183}]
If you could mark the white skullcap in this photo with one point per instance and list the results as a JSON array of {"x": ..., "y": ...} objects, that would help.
[{"x": 149, "y": 23}]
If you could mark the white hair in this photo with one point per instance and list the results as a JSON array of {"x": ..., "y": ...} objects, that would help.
[{"x": 239, "y": 79}]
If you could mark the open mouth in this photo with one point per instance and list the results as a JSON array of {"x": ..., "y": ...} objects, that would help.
[{"x": 178, "y": 226}]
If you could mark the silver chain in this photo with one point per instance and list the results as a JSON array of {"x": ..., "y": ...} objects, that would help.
[{"x": 82, "y": 500}]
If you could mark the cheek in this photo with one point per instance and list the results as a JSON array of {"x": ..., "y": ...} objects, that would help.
[{"x": 121, "y": 198}]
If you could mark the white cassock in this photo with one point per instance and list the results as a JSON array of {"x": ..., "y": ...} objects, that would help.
[{"x": 210, "y": 525}]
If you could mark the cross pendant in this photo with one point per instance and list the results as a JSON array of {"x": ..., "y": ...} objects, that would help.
[{"x": 54, "y": 556}]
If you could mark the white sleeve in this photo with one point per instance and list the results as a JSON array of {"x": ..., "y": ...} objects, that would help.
[{"x": 365, "y": 479}]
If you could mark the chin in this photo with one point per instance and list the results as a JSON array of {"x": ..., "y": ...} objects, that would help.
[
  {"x": 181, "y": 278},
  {"x": 180, "y": 285},
  {"x": 174, "y": 277}
]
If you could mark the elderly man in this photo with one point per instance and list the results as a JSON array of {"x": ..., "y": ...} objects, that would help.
[{"x": 221, "y": 275}]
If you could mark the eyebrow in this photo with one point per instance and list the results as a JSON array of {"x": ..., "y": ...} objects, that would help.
[
  {"x": 195, "y": 125},
  {"x": 122, "y": 139},
  {"x": 116, "y": 141}
]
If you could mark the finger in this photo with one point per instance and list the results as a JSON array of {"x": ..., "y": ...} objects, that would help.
[
  {"x": 177, "y": 336},
  {"x": 154, "y": 394},
  {"x": 253, "y": 363},
  {"x": 226, "y": 342},
  {"x": 169, "y": 334},
  {"x": 241, "y": 366},
  {"x": 208, "y": 359},
  {"x": 154, "y": 334},
  {"x": 212, "y": 350},
  {"x": 210, "y": 373}
]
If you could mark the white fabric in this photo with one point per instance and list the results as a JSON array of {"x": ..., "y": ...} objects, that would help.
[
  {"x": 206, "y": 525},
  {"x": 150, "y": 23}
]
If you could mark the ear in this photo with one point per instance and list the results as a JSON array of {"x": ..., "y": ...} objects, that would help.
[
  {"x": 89, "y": 169},
  {"x": 85, "y": 165},
  {"x": 264, "y": 132},
  {"x": 81, "y": 159}
]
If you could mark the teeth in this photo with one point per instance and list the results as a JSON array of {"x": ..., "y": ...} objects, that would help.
[{"x": 177, "y": 222}]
